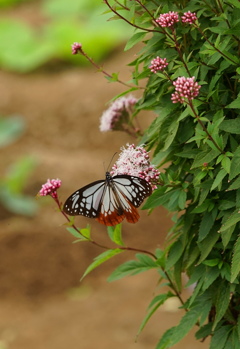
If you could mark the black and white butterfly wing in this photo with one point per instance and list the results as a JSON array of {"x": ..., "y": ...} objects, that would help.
[
  {"x": 86, "y": 201},
  {"x": 135, "y": 189}
]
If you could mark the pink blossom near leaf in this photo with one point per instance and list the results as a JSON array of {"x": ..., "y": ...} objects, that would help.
[
  {"x": 186, "y": 89},
  {"x": 76, "y": 48},
  {"x": 134, "y": 161},
  {"x": 50, "y": 187},
  {"x": 168, "y": 19},
  {"x": 189, "y": 17},
  {"x": 158, "y": 64},
  {"x": 117, "y": 114}
]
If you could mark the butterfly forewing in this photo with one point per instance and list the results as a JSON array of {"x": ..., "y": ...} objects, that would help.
[
  {"x": 86, "y": 201},
  {"x": 110, "y": 200}
]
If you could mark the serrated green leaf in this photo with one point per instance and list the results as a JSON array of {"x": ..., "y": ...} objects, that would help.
[
  {"x": 218, "y": 179},
  {"x": 103, "y": 257},
  {"x": 220, "y": 337},
  {"x": 115, "y": 234},
  {"x": 133, "y": 267},
  {"x": 231, "y": 126},
  {"x": 235, "y": 267},
  {"x": 207, "y": 244},
  {"x": 205, "y": 156},
  {"x": 204, "y": 331},
  {"x": 153, "y": 306},
  {"x": 206, "y": 224},
  {"x": 234, "y": 104},
  {"x": 175, "y": 253},
  {"x": 137, "y": 37},
  {"x": 226, "y": 235},
  {"x": 177, "y": 333},
  {"x": 232, "y": 220},
  {"x": 235, "y": 164},
  {"x": 235, "y": 184},
  {"x": 222, "y": 302}
]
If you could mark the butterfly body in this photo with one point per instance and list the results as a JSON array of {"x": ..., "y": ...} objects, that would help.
[{"x": 111, "y": 200}]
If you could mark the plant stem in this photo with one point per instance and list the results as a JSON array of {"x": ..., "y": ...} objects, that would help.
[{"x": 204, "y": 127}]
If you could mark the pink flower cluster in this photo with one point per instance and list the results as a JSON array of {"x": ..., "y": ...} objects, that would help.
[
  {"x": 189, "y": 17},
  {"x": 168, "y": 19},
  {"x": 50, "y": 187},
  {"x": 117, "y": 114},
  {"x": 134, "y": 161},
  {"x": 185, "y": 89},
  {"x": 158, "y": 64},
  {"x": 76, "y": 48}
]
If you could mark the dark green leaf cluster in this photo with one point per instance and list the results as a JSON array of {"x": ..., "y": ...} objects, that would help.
[{"x": 197, "y": 143}]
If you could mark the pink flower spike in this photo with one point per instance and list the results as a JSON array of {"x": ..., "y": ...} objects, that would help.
[
  {"x": 158, "y": 64},
  {"x": 189, "y": 17},
  {"x": 134, "y": 161},
  {"x": 168, "y": 19},
  {"x": 186, "y": 89},
  {"x": 50, "y": 188},
  {"x": 117, "y": 114},
  {"x": 76, "y": 48}
]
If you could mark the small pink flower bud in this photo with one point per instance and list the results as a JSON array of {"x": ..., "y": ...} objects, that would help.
[
  {"x": 158, "y": 64},
  {"x": 168, "y": 19},
  {"x": 186, "y": 89},
  {"x": 76, "y": 48},
  {"x": 189, "y": 17},
  {"x": 50, "y": 187}
]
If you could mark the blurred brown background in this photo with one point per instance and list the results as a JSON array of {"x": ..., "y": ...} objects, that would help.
[{"x": 42, "y": 302}]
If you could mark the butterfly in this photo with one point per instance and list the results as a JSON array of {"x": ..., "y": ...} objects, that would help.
[{"x": 111, "y": 200}]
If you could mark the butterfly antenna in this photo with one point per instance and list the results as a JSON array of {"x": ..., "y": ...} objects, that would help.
[{"x": 110, "y": 161}]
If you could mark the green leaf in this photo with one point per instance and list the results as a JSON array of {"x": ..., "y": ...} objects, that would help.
[
  {"x": 175, "y": 334},
  {"x": 218, "y": 179},
  {"x": 211, "y": 275},
  {"x": 232, "y": 220},
  {"x": 205, "y": 156},
  {"x": 226, "y": 235},
  {"x": 220, "y": 337},
  {"x": 204, "y": 331},
  {"x": 234, "y": 104},
  {"x": 133, "y": 267},
  {"x": 157, "y": 198},
  {"x": 231, "y": 126},
  {"x": 76, "y": 234},
  {"x": 222, "y": 301},
  {"x": 235, "y": 184},
  {"x": 235, "y": 164},
  {"x": 175, "y": 253},
  {"x": 103, "y": 257},
  {"x": 153, "y": 306},
  {"x": 235, "y": 268},
  {"x": 137, "y": 37},
  {"x": 207, "y": 244},
  {"x": 206, "y": 224},
  {"x": 115, "y": 234},
  {"x": 10, "y": 129}
]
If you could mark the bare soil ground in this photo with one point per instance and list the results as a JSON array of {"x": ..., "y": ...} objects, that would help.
[{"x": 42, "y": 302}]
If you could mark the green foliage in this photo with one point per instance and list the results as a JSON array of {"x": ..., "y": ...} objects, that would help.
[
  {"x": 197, "y": 145},
  {"x": 12, "y": 183},
  {"x": 68, "y": 22}
]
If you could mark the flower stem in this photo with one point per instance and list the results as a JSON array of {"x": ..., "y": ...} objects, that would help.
[{"x": 204, "y": 127}]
